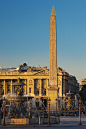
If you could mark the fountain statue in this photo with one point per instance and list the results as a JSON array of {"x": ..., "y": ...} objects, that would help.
[
  {"x": 70, "y": 104},
  {"x": 69, "y": 101}
]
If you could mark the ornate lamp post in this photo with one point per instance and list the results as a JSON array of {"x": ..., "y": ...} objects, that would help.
[
  {"x": 4, "y": 112},
  {"x": 49, "y": 111},
  {"x": 79, "y": 112},
  {"x": 30, "y": 102}
]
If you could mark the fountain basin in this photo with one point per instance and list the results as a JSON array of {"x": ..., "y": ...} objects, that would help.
[
  {"x": 27, "y": 121},
  {"x": 19, "y": 98}
]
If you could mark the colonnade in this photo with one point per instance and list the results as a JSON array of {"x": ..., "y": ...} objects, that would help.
[{"x": 26, "y": 87}]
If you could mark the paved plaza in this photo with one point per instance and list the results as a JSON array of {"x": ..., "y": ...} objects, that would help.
[{"x": 65, "y": 123}]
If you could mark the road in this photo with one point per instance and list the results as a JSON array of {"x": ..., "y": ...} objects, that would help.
[{"x": 43, "y": 127}]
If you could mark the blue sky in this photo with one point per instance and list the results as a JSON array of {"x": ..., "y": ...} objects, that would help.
[{"x": 25, "y": 34}]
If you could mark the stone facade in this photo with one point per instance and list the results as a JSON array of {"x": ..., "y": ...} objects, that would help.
[
  {"x": 37, "y": 82},
  {"x": 66, "y": 82}
]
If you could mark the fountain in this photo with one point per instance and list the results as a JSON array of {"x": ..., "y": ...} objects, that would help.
[
  {"x": 18, "y": 100},
  {"x": 70, "y": 106},
  {"x": 22, "y": 107},
  {"x": 18, "y": 108}
]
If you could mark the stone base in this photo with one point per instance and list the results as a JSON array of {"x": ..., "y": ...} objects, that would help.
[
  {"x": 19, "y": 121},
  {"x": 16, "y": 121},
  {"x": 25, "y": 121},
  {"x": 52, "y": 94}
]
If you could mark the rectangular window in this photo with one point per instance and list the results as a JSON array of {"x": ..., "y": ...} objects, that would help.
[
  {"x": 44, "y": 91},
  {"x": 8, "y": 88},
  {"x": 29, "y": 90},
  {"x": 1, "y": 90}
]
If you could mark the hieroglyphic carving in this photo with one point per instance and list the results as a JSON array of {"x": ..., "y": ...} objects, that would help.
[
  {"x": 53, "y": 53},
  {"x": 53, "y": 96}
]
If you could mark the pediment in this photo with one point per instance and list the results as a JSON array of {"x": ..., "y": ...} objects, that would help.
[{"x": 42, "y": 72}]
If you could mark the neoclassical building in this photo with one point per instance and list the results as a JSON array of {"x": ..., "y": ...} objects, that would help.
[
  {"x": 66, "y": 82},
  {"x": 82, "y": 91},
  {"x": 37, "y": 81}
]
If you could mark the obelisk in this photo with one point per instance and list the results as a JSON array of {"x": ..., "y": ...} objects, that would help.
[{"x": 52, "y": 89}]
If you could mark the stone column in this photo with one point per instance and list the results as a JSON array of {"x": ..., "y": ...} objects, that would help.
[
  {"x": 11, "y": 87},
  {"x": 47, "y": 87},
  {"x": 33, "y": 88},
  {"x": 40, "y": 90},
  {"x": 4, "y": 86},
  {"x": 25, "y": 87},
  {"x": 28, "y": 86},
  {"x": 62, "y": 87}
]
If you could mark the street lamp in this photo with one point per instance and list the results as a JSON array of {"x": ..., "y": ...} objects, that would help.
[
  {"x": 56, "y": 108},
  {"x": 79, "y": 112},
  {"x": 4, "y": 112},
  {"x": 49, "y": 111}
]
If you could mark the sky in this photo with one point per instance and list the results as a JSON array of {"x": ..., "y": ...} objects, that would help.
[{"x": 25, "y": 34}]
